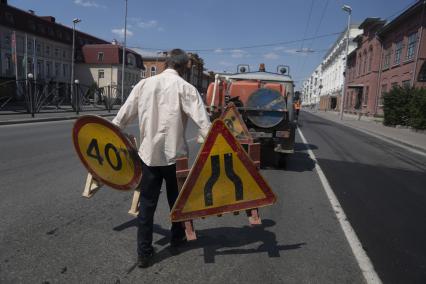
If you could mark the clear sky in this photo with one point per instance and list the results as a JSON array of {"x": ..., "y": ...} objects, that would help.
[{"x": 221, "y": 30}]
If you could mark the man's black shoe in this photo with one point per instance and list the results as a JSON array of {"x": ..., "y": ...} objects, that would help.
[
  {"x": 144, "y": 260},
  {"x": 177, "y": 242}
]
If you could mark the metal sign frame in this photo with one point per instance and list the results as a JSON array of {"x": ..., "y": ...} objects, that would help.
[
  {"x": 133, "y": 154},
  {"x": 231, "y": 107},
  {"x": 217, "y": 128}
]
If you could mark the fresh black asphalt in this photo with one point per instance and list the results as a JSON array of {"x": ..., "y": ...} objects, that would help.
[
  {"x": 382, "y": 189},
  {"x": 50, "y": 234}
]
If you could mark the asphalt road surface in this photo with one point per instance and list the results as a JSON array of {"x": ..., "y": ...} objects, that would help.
[
  {"x": 50, "y": 234},
  {"x": 382, "y": 189}
]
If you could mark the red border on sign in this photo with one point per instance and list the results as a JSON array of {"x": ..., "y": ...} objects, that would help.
[
  {"x": 217, "y": 128},
  {"x": 228, "y": 108},
  {"x": 137, "y": 174}
]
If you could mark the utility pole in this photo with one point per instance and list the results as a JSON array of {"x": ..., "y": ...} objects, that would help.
[
  {"x": 347, "y": 9},
  {"x": 74, "y": 22},
  {"x": 124, "y": 55}
]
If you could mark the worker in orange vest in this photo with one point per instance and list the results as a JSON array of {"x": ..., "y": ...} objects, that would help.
[{"x": 297, "y": 108}]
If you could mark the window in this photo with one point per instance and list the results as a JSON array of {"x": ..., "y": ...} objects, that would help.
[
  {"x": 40, "y": 69},
  {"x": 398, "y": 51},
  {"x": 364, "y": 70},
  {"x": 143, "y": 72},
  {"x": 57, "y": 69},
  {"x": 30, "y": 66},
  {"x": 31, "y": 25},
  {"x": 406, "y": 83},
  {"x": 359, "y": 65},
  {"x": 9, "y": 18},
  {"x": 100, "y": 56},
  {"x": 382, "y": 93},
  {"x": 64, "y": 53},
  {"x": 50, "y": 31},
  {"x": 56, "y": 52},
  {"x": 47, "y": 50},
  {"x": 64, "y": 70},
  {"x": 131, "y": 59},
  {"x": 48, "y": 68},
  {"x": 367, "y": 89},
  {"x": 8, "y": 61},
  {"x": 38, "y": 48},
  {"x": 153, "y": 71},
  {"x": 30, "y": 45},
  {"x": 101, "y": 74},
  {"x": 370, "y": 58},
  {"x": 7, "y": 40},
  {"x": 412, "y": 39},
  {"x": 386, "y": 59},
  {"x": 422, "y": 73}
]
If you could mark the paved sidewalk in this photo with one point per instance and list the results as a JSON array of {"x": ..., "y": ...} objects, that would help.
[
  {"x": 407, "y": 137},
  {"x": 8, "y": 117}
]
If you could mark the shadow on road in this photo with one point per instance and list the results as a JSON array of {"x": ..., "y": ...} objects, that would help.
[
  {"x": 299, "y": 161},
  {"x": 222, "y": 241}
]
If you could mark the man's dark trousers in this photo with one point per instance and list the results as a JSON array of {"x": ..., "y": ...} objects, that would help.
[{"x": 152, "y": 179}]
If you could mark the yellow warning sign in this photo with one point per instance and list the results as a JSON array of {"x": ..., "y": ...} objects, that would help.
[
  {"x": 235, "y": 123},
  {"x": 223, "y": 179},
  {"x": 106, "y": 153}
]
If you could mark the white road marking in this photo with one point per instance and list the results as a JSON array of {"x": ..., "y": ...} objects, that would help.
[{"x": 361, "y": 256}]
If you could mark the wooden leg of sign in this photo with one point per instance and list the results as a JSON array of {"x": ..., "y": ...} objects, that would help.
[
  {"x": 182, "y": 172},
  {"x": 134, "y": 209},
  {"x": 91, "y": 186},
  {"x": 189, "y": 230},
  {"x": 254, "y": 218}
]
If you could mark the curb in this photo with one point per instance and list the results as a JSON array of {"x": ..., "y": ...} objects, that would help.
[
  {"x": 47, "y": 119},
  {"x": 378, "y": 135}
]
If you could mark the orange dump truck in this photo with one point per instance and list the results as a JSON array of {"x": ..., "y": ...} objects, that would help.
[{"x": 265, "y": 102}]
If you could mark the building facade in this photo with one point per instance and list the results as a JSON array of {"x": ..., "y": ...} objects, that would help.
[
  {"x": 38, "y": 45},
  {"x": 387, "y": 55},
  {"x": 404, "y": 51},
  {"x": 333, "y": 67},
  {"x": 363, "y": 69},
  {"x": 194, "y": 74},
  {"x": 102, "y": 65}
]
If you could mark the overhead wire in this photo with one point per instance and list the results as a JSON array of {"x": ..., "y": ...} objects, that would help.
[
  {"x": 316, "y": 32},
  {"x": 241, "y": 47}
]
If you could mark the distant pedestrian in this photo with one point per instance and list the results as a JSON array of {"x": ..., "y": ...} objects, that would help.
[{"x": 162, "y": 104}]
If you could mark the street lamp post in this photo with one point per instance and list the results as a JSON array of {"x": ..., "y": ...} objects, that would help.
[
  {"x": 347, "y": 9},
  {"x": 30, "y": 76},
  {"x": 124, "y": 55},
  {"x": 77, "y": 97},
  {"x": 74, "y": 22}
]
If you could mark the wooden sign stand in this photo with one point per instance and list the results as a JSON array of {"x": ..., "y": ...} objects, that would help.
[{"x": 91, "y": 187}]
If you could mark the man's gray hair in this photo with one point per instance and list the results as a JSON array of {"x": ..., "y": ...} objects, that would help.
[{"x": 177, "y": 59}]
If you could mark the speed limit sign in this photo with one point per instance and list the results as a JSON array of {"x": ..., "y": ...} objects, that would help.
[{"x": 106, "y": 152}]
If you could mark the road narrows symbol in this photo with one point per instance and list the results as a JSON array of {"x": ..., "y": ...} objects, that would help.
[
  {"x": 229, "y": 171},
  {"x": 208, "y": 188}
]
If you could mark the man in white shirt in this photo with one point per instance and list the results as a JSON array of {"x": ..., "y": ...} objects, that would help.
[{"x": 162, "y": 104}]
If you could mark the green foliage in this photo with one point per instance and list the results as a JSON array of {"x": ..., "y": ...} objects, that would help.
[
  {"x": 405, "y": 106},
  {"x": 418, "y": 109},
  {"x": 396, "y": 106}
]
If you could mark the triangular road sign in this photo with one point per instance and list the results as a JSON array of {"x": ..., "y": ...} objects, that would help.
[
  {"x": 235, "y": 123},
  {"x": 223, "y": 179}
]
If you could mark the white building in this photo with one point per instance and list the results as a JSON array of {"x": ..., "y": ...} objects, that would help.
[
  {"x": 333, "y": 67},
  {"x": 324, "y": 86},
  {"x": 312, "y": 89}
]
